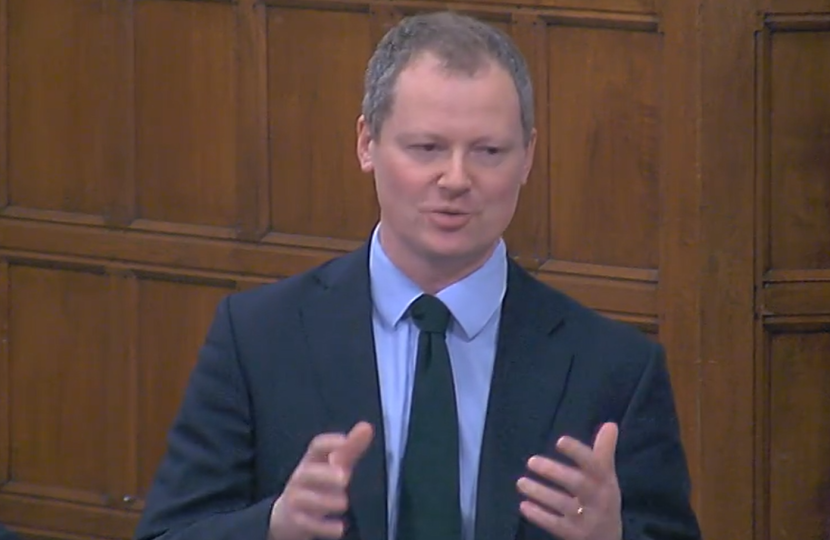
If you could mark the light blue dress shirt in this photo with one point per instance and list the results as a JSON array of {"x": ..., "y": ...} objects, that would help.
[{"x": 475, "y": 304}]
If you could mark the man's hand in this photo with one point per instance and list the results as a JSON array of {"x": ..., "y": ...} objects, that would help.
[
  {"x": 312, "y": 504},
  {"x": 588, "y": 505}
]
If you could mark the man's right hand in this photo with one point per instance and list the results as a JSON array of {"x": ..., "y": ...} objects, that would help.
[{"x": 314, "y": 500}]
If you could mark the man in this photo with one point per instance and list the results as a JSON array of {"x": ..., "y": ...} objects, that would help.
[{"x": 425, "y": 387}]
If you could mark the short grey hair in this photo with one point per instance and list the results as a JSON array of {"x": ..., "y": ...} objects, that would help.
[{"x": 463, "y": 45}]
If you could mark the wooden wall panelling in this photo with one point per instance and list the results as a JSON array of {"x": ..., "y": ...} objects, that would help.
[
  {"x": 799, "y": 124},
  {"x": 611, "y": 159},
  {"x": 55, "y": 309},
  {"x": 316, "y": 59},
  {"x": 156, "y": 249},
  {"x": 679, "y": 232},
  {"x": 166, "y": 353},
  {"x": 144, "y": 360},
  {"x": 124, "y": 313},
  {"x": 141, "y": 250},
  {"x": 571, "y": 6},
  {"x": 761, "y": 266},
  {"x": 34, "y": 533},
  {"x": 66, "y": 116},
  {"x": 5, "y": 370},
  {"x": 603, "y": 160},
  {"x": 4, "y": 104},
  {"x": 59, "y": 354},
  {"x": 56, "y": 520},
  {"x": 604, "y": 124},
  {"x": 627, "y": 294},
  {"x": 384, "y": 17},
  {"x": 528, "y": 234},
  {"x": 800, "y": 7},
  {"x": 252, "y": 121},
  {"x": 121, "y": 155},
  {"x": 726, "y": 406},
  {"x": 799, "y": 442},
  {"x": 186, "y": 114},
  {"x": 793, "y": 272},
  {"x": 810, "y": 298}
]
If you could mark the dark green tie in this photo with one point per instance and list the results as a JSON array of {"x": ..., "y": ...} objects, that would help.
[{"x": 429, "y": 507}]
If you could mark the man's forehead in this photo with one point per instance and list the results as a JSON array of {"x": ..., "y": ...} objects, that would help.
[
  {"x": 429, "y": 76},
  {"x": 422, "y": 102}
]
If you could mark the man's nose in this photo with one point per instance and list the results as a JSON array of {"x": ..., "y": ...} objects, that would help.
[{"x": 455, "y": 176}]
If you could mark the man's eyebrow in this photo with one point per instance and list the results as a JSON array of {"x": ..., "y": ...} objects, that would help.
[{"x": 419, "y": 134}]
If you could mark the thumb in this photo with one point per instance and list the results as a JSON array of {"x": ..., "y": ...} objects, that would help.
[
  {"x": 605, "y": 445},
  {"x": 356, "y": 444}
]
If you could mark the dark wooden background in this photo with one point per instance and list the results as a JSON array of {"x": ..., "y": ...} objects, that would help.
[{"x": 156, "y": 155}]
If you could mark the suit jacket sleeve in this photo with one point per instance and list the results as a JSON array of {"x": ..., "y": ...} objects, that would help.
[
  {"x": 651, "y": 463},
  {"x": 204, "y": 487}
]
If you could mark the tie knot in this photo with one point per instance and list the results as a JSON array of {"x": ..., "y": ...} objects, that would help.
[{"x": 430, "y": 314}]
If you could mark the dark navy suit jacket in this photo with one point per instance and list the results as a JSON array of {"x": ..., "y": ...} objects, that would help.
[{"x": 287, "y": 361}]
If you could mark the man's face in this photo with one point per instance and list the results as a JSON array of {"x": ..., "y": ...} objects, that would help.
[{"x": 448, "y": 165}]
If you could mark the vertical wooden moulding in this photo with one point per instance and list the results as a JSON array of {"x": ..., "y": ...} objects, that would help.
[
  {"x": 763, "y": 55},
  {"x": 4, "y": 104},
  {"x": 122, "y": 393},
  {"x": 727, "y": 153},
  {"x": 5, "y": 375},
  {"x": 530, "y": 34},
  {"x": 252, "y": 173},
  {"x": 763, "y": 157},
  {"x": 761, "y": 491},
  {"x": 122, "y": 200},
  {"x": 678, "y": 286}
]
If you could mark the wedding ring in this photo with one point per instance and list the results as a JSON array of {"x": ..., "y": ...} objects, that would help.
[{"x": 580, "y": 511}]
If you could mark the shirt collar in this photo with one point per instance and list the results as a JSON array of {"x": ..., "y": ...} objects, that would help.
[{"x": 472, "y": 300}]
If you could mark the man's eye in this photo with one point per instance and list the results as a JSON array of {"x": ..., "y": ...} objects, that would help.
[{"x": 426, "y": 147}]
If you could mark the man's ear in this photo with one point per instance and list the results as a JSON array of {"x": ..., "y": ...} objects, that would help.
[
  {"x": 364, "y": 143},
  {"x": 530, "y": 151}
]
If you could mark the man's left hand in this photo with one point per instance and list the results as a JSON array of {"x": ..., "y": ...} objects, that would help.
[{"x": 588, "y": 505}]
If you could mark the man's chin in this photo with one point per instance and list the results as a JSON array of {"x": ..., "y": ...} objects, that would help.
[{"x": 455, "y": 252}]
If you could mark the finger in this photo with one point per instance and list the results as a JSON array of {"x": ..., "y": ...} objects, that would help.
[
  {"x": 323, "y": 445},
  {"x": 605, "y": 445},
  {"x": 583, "y": 455},
  {"x": 357, "y": 442},
  {"x": 320, "y": 504},
  {"x": 549, "y": 498},
  {"x": 319, "y": 477},
  {"x": 558, "y": 526},
  {"x": 317, "y": 527},
  {"x": 568, "y": 478}
]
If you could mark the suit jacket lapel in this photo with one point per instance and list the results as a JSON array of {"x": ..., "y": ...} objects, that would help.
[
  {"x": 338, "y": 328},
  {"x": 530, "y": 373}
]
